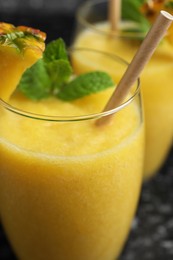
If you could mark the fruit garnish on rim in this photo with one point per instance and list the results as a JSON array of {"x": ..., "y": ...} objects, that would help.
[
  {"x": 151, "y": 8},
  {"x": 20, "y": 48},
  {"x": 40, "y": 74}
]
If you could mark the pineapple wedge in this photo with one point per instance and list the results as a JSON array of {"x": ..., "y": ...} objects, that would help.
[
  {"x": 20, "y": 48},
  {"x": 151, "y": 8}
]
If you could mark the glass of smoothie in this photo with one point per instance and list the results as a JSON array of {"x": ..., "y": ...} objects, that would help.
[
  {"x": 69, "y": 188},
  {"x": 93, "y": 29}
]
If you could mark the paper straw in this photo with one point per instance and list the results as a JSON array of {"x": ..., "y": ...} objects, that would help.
[
  {"x": 142, "y": 56},
  {"x": 114, "y": 14}
]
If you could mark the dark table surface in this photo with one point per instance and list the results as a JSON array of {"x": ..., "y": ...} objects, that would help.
[{"x": 151, "y": 237}]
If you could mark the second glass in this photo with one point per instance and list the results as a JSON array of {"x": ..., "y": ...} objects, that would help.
[{"x": 156, "y": 80}]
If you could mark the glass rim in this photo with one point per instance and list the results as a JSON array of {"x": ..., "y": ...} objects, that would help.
[
  {"x": 123, "y": 34},
  {"x": 97, "y": 115}
]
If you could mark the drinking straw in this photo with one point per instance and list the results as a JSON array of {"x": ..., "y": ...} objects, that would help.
[
  {"x": 142, "y": 56},
  {"x": 114, "y": 12}
]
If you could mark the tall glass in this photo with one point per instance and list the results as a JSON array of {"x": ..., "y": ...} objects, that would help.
[
  {"x": 92, "y": 29},
  {"x": 69, "y": 188}
]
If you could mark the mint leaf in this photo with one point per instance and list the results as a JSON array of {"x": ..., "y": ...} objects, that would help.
[
  {"x": 35, "y": 82},
  {"x": 85, "y": 84},
  {"x": 59, "y": 72},
  {"x": 55, "y": 50}
]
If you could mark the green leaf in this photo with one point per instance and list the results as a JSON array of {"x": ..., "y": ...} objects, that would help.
[
  {"x": 10, "y": 39},
  {"x": 59, "y": 71},
  {"x": 131, "y": 11},
  {"x": 35, "y": 82},
  {"x": 55, "y": 50},
  {"x": 85, "y": 84},
  {"x": 169, "y": 4}
]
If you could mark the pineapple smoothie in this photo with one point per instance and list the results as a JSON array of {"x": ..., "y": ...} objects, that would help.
[
  {"x": 156, "y": 79},
  {"x": 69, "y": 189},
  {"x": 69, "y": 196}
]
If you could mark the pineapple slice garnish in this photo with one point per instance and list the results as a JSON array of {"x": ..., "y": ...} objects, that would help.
[
  {"x": 151, "y": 9},
  {"x": 20, "y": 48}
]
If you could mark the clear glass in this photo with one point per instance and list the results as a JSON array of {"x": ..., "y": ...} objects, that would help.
[
  {"x": 66, "y": 183},
  {"x": 92, "y": 29}
]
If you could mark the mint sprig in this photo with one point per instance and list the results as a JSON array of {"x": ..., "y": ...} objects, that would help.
[{"x": 51, "y": 76}]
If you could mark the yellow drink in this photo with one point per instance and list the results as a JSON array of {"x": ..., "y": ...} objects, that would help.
[
  {"x": 71, "y": 188},
  {"x": 156, "y": 82}
]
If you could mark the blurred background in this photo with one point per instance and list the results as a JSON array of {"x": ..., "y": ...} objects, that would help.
[
  {"x": 65, "y": 6},
  {"x": 152, "y": 232},
  {"x": 55, "y": 17}
]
